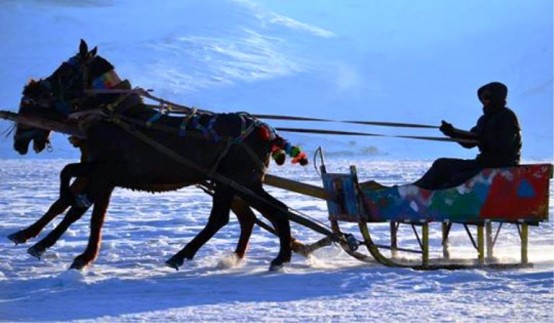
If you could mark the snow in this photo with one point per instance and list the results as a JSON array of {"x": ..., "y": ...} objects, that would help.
[
  {"x": 360, "y": 60},
  {"x": 129, "y": 282}
]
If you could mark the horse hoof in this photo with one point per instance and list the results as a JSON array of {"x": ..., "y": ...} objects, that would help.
[
  {"x": 36, "y": 252},
  {"x": 171, "y": 263},
  {"x": 78, "y": 264},
  {"x": 276, "y": 268},
  {"x": 16, "y": 238}
]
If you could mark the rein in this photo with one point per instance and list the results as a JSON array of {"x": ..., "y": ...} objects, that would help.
[
  {"x": 170, "y": 107},
  {"x": 367, "y": 134},
  {"x": 368, "y": 123}
]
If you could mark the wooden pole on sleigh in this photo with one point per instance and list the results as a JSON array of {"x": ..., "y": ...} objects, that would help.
[{"x": 45, "y": 124}]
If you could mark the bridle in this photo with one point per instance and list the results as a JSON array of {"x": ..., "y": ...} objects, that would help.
[{"x": 52, "y": 93}]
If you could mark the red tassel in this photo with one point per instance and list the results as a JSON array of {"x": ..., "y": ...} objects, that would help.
[
  {"x": 263, "y": 133},
  {"x": 301, "y": 158}
]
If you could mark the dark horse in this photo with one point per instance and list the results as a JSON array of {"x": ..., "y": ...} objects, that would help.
[
  {"x": 24, "y": 135},
  {"x": 133, "y": 146}
]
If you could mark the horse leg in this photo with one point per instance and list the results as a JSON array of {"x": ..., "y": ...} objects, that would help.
[
  {"x": 71, "y": 216},
  {"x": 219, "y": 217},
  {"x": 101, "y": 195},
  {"x": 67, "y": 173},
  {"x": 247, "y": 219},
  {"x": 55, "y": 209},
  {"x": 274, "y": 210}
]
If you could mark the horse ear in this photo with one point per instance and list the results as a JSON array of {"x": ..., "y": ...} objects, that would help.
[
  {"x": 92, "y": 53},
  {"x": 83, "y": 48}
]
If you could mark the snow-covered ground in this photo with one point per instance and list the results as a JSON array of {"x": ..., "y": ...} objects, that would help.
[
  {"x": 129, "y": 282},
  {"x": 403, "y": 61}
]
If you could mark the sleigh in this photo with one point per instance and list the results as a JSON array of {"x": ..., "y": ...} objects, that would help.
[
  {"x": 496, "y": 196},
  {"x": 517, "y": 196}
]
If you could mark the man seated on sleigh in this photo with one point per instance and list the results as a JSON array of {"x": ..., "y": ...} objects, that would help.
[{"x": 497, "y": 135}]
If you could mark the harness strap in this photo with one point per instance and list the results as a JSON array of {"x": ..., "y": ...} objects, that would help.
[
  {"x": 208, "y": 131},
  {"x": 171, "y": 130},
  {"x": 244, "y": 132},
  {"x": 249, "y": 151},
  {"x": 211, "y": 130},
  {"x": 153, "y": 119},
  {"x": 180, "y": 159},
  {"x": 170, "y": 106},
  {"x": 183, "y": 126},
  {"x": 159, "y": 127},
  {"x": 112, "y": 106},
  {"x": 219, "y": 158}
]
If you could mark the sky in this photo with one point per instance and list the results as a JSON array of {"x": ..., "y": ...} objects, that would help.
[{"x": 402, "y": 61}]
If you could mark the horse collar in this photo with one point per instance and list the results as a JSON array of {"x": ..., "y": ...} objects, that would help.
[{"x": 108, "y": 80}]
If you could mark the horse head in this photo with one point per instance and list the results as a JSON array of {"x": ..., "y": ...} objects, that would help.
[
  {"x": 33, "y": 97},
  {"x": 62, "y": 93},
  {"x": 71, "y": 82}
]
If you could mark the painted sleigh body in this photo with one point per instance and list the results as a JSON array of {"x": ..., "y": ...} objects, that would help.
[
  {"x": 511, "y": 194},
  {"x": 517, "y": 195}
]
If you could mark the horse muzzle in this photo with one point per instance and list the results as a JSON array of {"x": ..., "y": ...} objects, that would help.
[
  {"x": 39, "y": 145},
  {"x": 21, "y": 146}
]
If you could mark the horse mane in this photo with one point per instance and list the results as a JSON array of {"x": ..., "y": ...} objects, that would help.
[{"x": 32, "y": 88}]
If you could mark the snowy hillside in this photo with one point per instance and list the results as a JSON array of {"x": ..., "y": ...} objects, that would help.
[{"x": 362, "y": 60}]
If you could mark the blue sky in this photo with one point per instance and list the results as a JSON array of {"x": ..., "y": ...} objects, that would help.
[{"x": 399, "y": 61}]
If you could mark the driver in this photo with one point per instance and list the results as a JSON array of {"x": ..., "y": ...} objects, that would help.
[{"x": 497, "y": 134}]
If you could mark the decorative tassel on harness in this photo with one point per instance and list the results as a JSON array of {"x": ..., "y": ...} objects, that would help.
[
  {"x": 280, "y": 148},
  {"x": 298, "y": 156}
]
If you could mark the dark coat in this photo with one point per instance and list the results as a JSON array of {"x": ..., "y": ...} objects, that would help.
[
  {"x": 499, "y": 136},
  {"x": 497, "y": 130}
]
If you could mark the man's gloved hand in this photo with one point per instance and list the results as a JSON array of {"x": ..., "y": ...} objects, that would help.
[{"x": 446, "y": 128}]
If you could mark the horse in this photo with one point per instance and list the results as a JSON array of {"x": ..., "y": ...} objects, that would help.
[
  {"x": 229, "y": 151},
  {"x": 24, "y": 135}
]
